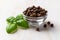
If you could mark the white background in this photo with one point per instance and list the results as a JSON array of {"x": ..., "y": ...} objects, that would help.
[{"x": 15, "y": 7}]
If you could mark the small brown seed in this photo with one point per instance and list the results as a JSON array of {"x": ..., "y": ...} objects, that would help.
[
  {"x": 38, "y": 7},
  {"x": 24, "y": 12},
  {"x": 52, "y": 25},
  {"x": 34, "y": 14},
  {"x": 37, "y": 29},
  {"x": 32, "y": 10},
  {"x": 31, "y": 15},
  {"x": 33, "y": 6},
  {"x": 37, "y": 11},
  {"x": 27, "y": 14},
  {"x": 28, "y": 10},
  {"x": 42, "y": 14},
  {"x": 38, "y": 14},
  {"x": 45, "y": 11},
  {"x": 45, "y": 25},
  {"x": 48, "y": 22}
]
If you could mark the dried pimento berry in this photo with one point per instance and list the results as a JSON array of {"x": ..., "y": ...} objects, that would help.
[
  {"x": 48, "y": 22},
  {"x": 45, "y": 25},
  {"x": 52, "y": 25},
  {"x": 37, "y": 29}
]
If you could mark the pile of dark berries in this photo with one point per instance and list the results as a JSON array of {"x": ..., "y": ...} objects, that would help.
[
  {"x": 35, "y": 11},
  {"x": 46, "y": 25}
]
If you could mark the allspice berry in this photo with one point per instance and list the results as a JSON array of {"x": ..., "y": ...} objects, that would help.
[
  {"x": 48, "y": 22},
  {"x": 52, "y": 25},
  {"x": 45, "y": 25},
  {"x": 31, "y": 15},
  {"x": 38, "y": 7},
  {"x": 37, "y": 29}
]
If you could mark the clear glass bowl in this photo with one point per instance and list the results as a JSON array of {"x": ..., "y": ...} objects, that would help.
[{"x": 36, "y": 21}]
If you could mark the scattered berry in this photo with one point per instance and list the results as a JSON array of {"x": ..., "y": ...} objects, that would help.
[
  {"x": 48, "y": 22},
  {"x": 52, "y": 25},
  {"x": 37, "y": 29},
  {"x": 45, "y": 25}
]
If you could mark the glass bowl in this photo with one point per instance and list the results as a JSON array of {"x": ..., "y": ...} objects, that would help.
[{"x": 35, "y": 21}]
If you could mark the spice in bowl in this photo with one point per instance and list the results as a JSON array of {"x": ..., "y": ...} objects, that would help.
[
  {"x": 35, "y": 15},
  {"x": 35, "y": 11}
]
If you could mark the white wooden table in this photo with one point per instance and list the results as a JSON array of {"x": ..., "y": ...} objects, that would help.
[{"x": 15, "y": 7}]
